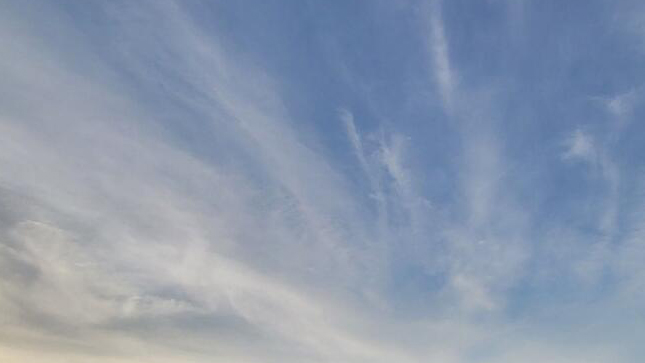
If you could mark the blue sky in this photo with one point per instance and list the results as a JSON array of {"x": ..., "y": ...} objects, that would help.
[{"x": 322, "y": 181}]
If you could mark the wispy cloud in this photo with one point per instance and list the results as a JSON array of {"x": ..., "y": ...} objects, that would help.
[
  {"x": 479, "y": 282},
  {"x": 152, "y": 222},
  {"x": 580, "y": 146},
  {"x": 440, "y": 55},
  {"x": 183, "y": 182}
]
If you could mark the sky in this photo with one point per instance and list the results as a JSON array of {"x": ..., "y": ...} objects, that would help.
[{"x": 344, "y": 181}]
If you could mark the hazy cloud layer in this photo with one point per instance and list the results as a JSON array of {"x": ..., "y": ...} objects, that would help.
[{"x": 444, "y": 181}]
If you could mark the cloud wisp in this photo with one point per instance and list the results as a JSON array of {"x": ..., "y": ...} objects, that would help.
[{"x": 193, "y": 182}]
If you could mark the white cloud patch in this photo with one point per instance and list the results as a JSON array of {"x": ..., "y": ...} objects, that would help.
[{"x": 580, "y": 146}]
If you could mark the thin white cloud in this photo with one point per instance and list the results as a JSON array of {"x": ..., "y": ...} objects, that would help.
[
  {"x": 438, "y": 47},
  {"x": 354, "y": 137},
  {"x": 486, "y": 259},
  {"x": 152, "y": 222},
  {"x": 121, "y": 241},
  {"x": 580, "y": 146},
  {"x": 622, "y": 106}
]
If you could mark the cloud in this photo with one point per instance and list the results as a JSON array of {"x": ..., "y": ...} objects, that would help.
[
  {"x": 134, "y": 228},
  {"x": 621, "y": 105},
  {"x": 171, "y": 190},
  {"x": 438, "y": 47},
  {"x": 476, "y": 282},
  {"x": 354, "y": 137},
  {"x": 580, "y": 146}
]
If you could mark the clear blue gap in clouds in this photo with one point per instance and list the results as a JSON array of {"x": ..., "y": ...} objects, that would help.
[{"x": 300, "y": 181}]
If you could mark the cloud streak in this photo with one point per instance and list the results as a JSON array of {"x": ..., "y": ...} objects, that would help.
[
  {"x": 440, "y": 55},
  {"x": 183, "y": 182}
]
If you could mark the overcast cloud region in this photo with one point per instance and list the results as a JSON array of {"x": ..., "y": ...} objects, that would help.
[{"x": 388, "y": 181}]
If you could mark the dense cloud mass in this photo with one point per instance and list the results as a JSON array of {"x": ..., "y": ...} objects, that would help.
[{"x": 297, "y": 181}]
